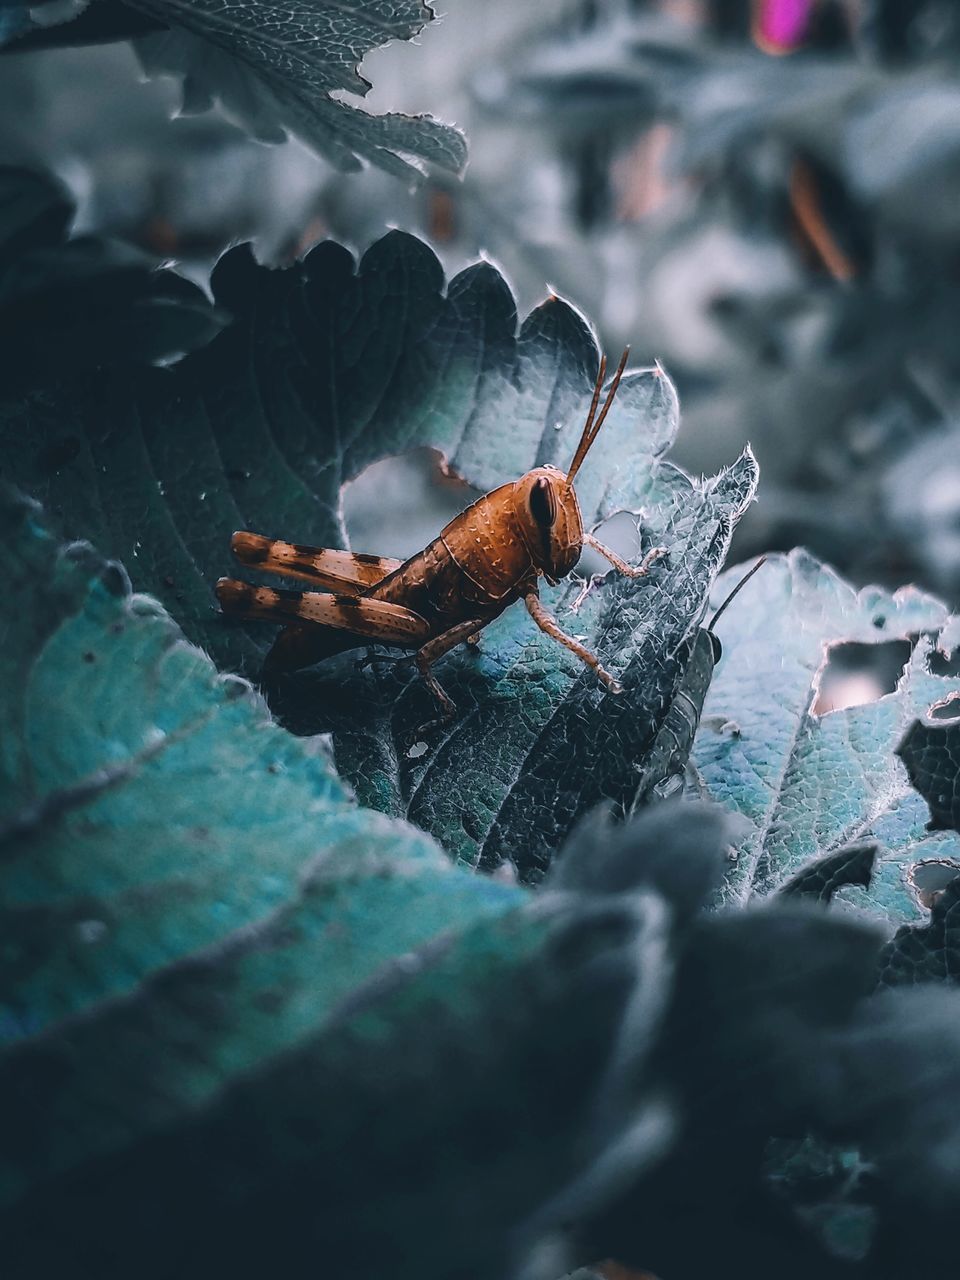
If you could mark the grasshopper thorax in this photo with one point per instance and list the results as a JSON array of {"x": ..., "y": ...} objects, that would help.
[{"x": 548, "y": 515}]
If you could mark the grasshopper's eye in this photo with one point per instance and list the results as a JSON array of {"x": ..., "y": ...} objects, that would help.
[{"x": 543, "y": 503}]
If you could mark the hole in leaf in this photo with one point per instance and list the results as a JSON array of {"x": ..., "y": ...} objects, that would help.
[
  {"x": 947, "y": 710},
  {"x": 854, "y": 674},
  {"x": 944, "y": 664},
  {"x": 929, "y": 879},
  {"x": 399, "y": 504},
  {"x": 621, "y": 534}
]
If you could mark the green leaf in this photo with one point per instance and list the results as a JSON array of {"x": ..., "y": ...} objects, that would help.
[
  {"x": 327, "y": 367},
  {"x": 273, "y": 67},
  {"x": 149, "y": 807},
  {"x": 809, "y": 785}
]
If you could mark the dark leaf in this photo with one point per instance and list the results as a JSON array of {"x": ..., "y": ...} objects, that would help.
[
  {"x": 907, "y": 1120},
  {"x": 67, "y": 305},
  {"x": 676, "y": 851},
  {"x": 931, "y": 952},
  {"x": 20, "y": 17},
  {"x": 76, "y": 22},
  {"x": 821, "y": 879},
  {"x": 329, "y": 366},
  {"x": 930, "y": 750}
]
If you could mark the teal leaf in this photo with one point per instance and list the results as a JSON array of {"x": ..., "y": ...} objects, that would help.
[
  {"x": 326, "y": 367},
  {"x": 808, "y": 785},
  {"x": 235, "y": 1003},
  {"x": 150, "y": 808}
]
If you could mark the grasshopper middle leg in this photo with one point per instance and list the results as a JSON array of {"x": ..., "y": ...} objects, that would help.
[
  {"x": 549, "y": 626},
  {"x": 428, "y": 654}
]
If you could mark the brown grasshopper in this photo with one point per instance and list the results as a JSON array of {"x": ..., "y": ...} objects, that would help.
[{"x": 486, "y": 558}]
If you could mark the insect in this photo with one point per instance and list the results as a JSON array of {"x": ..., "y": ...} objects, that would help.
[{"x": 491, "y": 555}]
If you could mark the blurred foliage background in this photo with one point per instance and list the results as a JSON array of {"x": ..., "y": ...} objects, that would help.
[{"x": 761, "y": 194}]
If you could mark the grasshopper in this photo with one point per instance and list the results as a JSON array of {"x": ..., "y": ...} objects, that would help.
[{"x": 489, "y": 556}]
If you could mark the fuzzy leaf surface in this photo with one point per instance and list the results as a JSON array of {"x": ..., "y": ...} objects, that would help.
[
  {"x": 809, "y": 785},
  {"x": 327, "y": 367}
]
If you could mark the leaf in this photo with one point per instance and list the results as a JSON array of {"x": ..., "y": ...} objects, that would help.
[
  {"x": 236, "y": 997},
  {"x": 537, "y": 742},
  {"x": 930, "y": 952},
  {"x": 273, "y": 67},
  {"x": 261, "y": 967},
  {"x": 930, "y": 751},
  {"x": 443, "y": 1064},
  {"x": 809, "y": 785},
  {"x": 327, "y": 367},
  {"x": 70, "y": 304},
  {"x": 20, "y": 17},
  {"x": 149, "y": 807}
]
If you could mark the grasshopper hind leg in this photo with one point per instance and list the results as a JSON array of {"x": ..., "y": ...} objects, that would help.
[{"x": 318, "y": 624}]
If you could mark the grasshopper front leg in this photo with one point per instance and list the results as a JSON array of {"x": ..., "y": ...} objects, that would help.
[
  {"x": 549, "y": 626},
  {"x": 622, "y": 566},
  {"x": 628, "y": 570}
]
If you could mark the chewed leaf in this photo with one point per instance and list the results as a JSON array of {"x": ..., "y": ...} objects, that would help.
[
  {"x": 328, "y": 366},
  {"x": 810, "y": 784},
  {"x": 275, "y": 74}
]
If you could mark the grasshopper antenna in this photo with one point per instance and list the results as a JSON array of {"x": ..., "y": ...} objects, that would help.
[
  {"x": 591, "y": 428},
  {"x": 736, "y": 590}
]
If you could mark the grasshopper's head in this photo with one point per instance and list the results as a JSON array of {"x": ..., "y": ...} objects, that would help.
[
  {"x": 547, "y": 505},
  {"x": 549, "y": 516}
]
